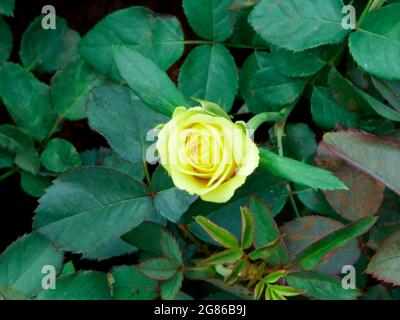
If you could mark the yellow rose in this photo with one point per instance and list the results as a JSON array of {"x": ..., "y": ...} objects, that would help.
[{"x": 205, "y": 153}]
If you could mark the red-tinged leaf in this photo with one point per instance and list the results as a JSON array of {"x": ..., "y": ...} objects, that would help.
[
  {"x": 376, "y": 156},
  {"x": 385, "y": 264},
  {"x": 363, "y": 199}
]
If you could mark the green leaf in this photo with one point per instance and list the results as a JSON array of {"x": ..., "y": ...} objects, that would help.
[
  {"x": 266, "y": 251},
  {"x": 264, "y": 88},
  {"x": 303, "y": 232},
  {"x": 60, "y": 155},
  {"x": 104, "y": 157},
  {"x": 299, "y": 142},
  {"x": 227, "y": 215},
  {"x": 270, "y": 294},
  {"x": 169, "y": 201},
  {"x": 258, "y": 290},
  {"x": 298, "y": 25},
  {"x": 210, "y": 19},
  {"x": 352, "y": 97},
  {"x": 35, "y": 186},
  {"x": 321, "y": 286},
  {"x": 228, "y": 256},
  {"x": 390, "y": 90},
  {"x": 299, "y": 64},
  {"x": 47, "y": 50},
  {"x": 158, "y": 268},
  {"x": 111, "y": 249},
  {"x": 70, "y": 88},
  {"x": 27, "y": 100},
  {"x": 311, "y": 256},
  {"x": 171, "y": 287},
  {"x": 212, "y": 108},
  {"x": 131, "y": 120},
  {"x": 151, "y": 84},
  {"x": 298, "y": 172},
  {"x": 6, "y": 40},
  {"x": 201, "y": 76},
  {"x": 88, "y": 207},
  {"x": 237, "y": 269},
  {"x": 17, "y": 142},
  {"x": 159, "y": 38},
  {"x": 314, "y": 200},
  {"x": 222, "y": 236},
  {"x": 378, "y": 157},
  {"x": 7, "y": 7},
  {"x": 379, "y": 29},
  {"x": 247, "y": 228},
  {"x": 327, "y": 113},
  {"x": 86, "y": 285},
  {"x": 21, "y": 264},
  {"x": 384, "y": 265},
  {"x": 284, "y": 290},
  {"x": 275, "y": 276},
  {"x": 68, "y": 269},
  {"x": 140, "y": 236},
  {"x": 266, "y": 232},
  {"x": 130, "y": 284},
  {"x": 170, "y": 247}
]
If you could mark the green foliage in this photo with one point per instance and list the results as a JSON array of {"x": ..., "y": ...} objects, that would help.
[
  {"x": 156, "y": 37},
  {"x": 150, "y": 83},
  {"x": 59, "y": 156},
  {"x": 48, "y": 50},
  {"x": 201, "y": 75},
  {"x": 220, "y": 235},
  {"x": 21, "y": 264},
  {"x": 70, "y": 88},
  {"x": 310, "y": 257},
  {"x": 27, "y": 100},
  {"x": 7, "y": 7},
  {"x": 321, "y": 286},
  {"x": 301, "y": 26},
  {"x": 79, "y": 119},
  {"x": 210, "y": 19},
  {"x": 84, "y": 225},
  {"x": 373, "y": 34},
  {"x": 298, "y": 172},
  {"x": 88, "y": 285}
]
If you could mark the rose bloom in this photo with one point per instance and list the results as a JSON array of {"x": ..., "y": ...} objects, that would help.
[{"x": 205, "y": 153}]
